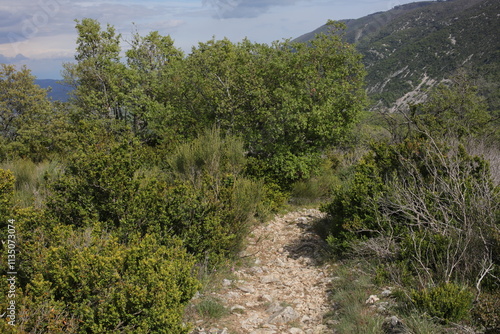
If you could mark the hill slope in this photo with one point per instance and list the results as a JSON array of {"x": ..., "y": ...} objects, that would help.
[
  {"x": 58, "y": 91},
  {"x": 414, "y": 46}
]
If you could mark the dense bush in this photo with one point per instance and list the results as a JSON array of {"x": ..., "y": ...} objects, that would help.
[
  {"x": 448, "y": 301},
  {"x": 428, "y": 213},
  {"x": 198, "y": 194},
  {"x": 486, "y": 312},
  {"x": 285, "y": 117},
  {"x": 7, "y": 182},
  {"x": 107, "y": 286}
]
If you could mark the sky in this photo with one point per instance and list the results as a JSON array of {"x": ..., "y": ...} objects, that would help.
[{"x": 41, "y": 34}]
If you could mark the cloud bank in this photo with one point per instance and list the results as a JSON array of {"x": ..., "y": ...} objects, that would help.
[{"x": 244, "y": 8}]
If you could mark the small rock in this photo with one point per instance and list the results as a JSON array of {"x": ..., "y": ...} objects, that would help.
[
  {"x": 302, "y": 220},
  {"x": 232, "y": 295},
  {"x": 320, "y": 329},
  {"x": 274, "y": 308},
  {"x": 372, "y": 299},
  {"x": 246, "y": 289},
  {"x": 381, "y": 309},
  {"x": 269, "y": 279},
  {"x": 263, "y": 331},
  {"x": 226, "y": 282},
  {"x": 295, "y": 330},
  {"x": 392, "y": 325},
  {"x": 266, "y": 298},
  {"x": 284, "y": 316},
  {"x": 386, "y": 293},
  {"x": 256, "y": 270},
  {"x": 280, "y": 263},
  {"x": 305, "y": 319}
]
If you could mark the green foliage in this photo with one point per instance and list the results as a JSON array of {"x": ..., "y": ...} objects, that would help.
[
  {"x": 97, "y": 77},
  {"x": 432, "y": 201},
  {"x": 31, "y": 126},
  {"x": 353, "y": 213},
  {"x": 486, "y": 312},
  {"x": 7, "y": 182},
  {"x": 349, "y": 292},
  {"x": 140, "y": 287},
  {"x": 454, "y": 110},
  {"x": 31, "y": 180},
  {"x": 142, "y": 195},
  {"x": 318, "y": 187},
  {"x": 211, "y": 307},
  {"x": 98, "y": 185},
  {"x": 201, "y": 196},
  {"x": 448, "y": 301},
  {"x": 152, "y": 63},
  {"x": 210, "y": 155},
  {"x": 284, "y": 116},
  {"x": 212, "y": 167}
]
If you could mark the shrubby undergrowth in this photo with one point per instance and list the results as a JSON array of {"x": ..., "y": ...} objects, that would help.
[{"x": 426, "y": 210}]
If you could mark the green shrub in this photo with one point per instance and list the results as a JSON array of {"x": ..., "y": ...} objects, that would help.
[
  {"x": 319, "y": 186},
  {"x": 435, "y": 202},
  {"x": 141, "y": 287},
  {"x": 210, "y": 155},
  {"x": 211, "y": 307},
  {"x": 486, "y": 312},
  {"x": 353, "y": 211},
  {"x": 97, "y": 185},
  {"x": 7, "y": 182},
  {"x": 447, "y": 301},
  {"x": 31, "y": 180}
]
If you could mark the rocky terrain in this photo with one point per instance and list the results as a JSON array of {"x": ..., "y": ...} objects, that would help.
[
  {"x": 413, "y": 47},
  {"x": 285, "y": 289}
]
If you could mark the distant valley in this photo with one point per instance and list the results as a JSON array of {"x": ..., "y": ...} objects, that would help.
[{"x": 58, "y": 91}]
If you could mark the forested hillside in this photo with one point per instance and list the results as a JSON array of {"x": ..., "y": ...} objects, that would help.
[
  {"x": 415, "y": 46},
  {"x": 119, "y": 205}
]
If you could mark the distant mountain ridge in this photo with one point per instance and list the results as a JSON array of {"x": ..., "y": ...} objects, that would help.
[
  {"x": 415, "y": 46},
  {"x": 58, "y": 91}
]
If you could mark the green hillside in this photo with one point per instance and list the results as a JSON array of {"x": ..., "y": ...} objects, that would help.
[{"x": 415, "y": 46}]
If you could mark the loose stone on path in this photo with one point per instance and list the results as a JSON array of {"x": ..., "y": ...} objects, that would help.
[{"x": 286, "y": 290}]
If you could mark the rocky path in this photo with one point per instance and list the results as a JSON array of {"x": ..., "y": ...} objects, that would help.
[{"x": 285, "y": 288}]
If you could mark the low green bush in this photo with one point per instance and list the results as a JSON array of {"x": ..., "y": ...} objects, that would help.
[
  {"x": 447, "y": 301},
  {"x": 141, "y": 287}
]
